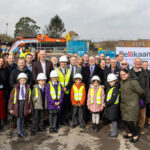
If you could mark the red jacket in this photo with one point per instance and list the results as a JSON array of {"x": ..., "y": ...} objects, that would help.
[{"x": 83, "y": 97}]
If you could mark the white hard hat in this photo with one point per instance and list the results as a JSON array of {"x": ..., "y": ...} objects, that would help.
[
  {"x": 22, "y": 75},
  {"x": 77, "y": 76},
  {"x": 111, "y": 77},
  {"x": 63, "y": 59},
  {"x": 54, "y": 74},
  {"x": 41, "y": 76},
  {"x": 95, "y": 78}
]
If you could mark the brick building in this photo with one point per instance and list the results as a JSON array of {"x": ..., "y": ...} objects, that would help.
[{"x": 134, "y": 43}]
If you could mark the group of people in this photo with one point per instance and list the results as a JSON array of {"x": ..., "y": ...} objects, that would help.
[{"x": 74, "y": 88}]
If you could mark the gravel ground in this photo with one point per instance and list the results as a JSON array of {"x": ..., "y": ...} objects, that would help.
[{"x": 72, "y": 139}]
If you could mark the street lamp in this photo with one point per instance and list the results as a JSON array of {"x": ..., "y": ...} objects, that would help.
[{"x": 6, "y": 28}]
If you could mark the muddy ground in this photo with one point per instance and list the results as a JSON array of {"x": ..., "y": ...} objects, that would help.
[{"x": 72, "y": 139}]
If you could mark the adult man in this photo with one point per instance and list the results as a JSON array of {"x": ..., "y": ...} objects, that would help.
[
  {"x": 73, "y": 66},
  {"x": 143, "y": 79},
  {"x": 103, "y": 65},
  {"x": 86, "y": 60},
  {"x": 124, "y": 65},
  {"x": 42, "y": 66},
  {"x": 10, "y": 63},
  {"x": 102, "y": 56},
  {"x": 66, "y": 82},
  {"x": 120, "y": 57},
  {"x": 21, "y": 68},
  {"x": 91, "y": 70},
  {"x": 10, "y": 67},
  {"x": 88, "y": 72},
  {"x": 107, "y": 61},
  {"x": 54, "y": 61},
  {"x": 33, "y": 57},
  {"x": 145, "y": 67},
  {"x": 112, "y": 69},
  {"x": 97, "y": 59},
  {"x": 29, "y": 61}
]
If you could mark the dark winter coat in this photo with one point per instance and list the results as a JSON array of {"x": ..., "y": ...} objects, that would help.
[
  {"x": 14, "y": 107},
  {"x": 144, "y": 83},
  {"x": 111, "y": 111},
  {"x": 4, "y": 76},
  {"x": 14, "y": 74},
  {"x": 130, "y": 92},
  {"x": 85, "y": 71}
]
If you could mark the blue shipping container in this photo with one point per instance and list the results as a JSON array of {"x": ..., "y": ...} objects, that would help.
[
  {"x": 79, "y": 47},
  {"x": 111, "y": 54}
]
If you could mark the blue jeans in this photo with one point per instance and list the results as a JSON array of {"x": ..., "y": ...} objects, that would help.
[{"x": 20, "y": 124}]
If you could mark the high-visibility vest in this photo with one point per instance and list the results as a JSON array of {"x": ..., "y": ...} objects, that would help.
[
  {"x": 15, "y": 96},
  {"x": 64, "y": 79},
  {"x": 53, "y": 92},
  {"x": 98, "y": 96},
  {"x": 36, "y": 93},
  {"x": 109, "y": 95},
  {"x": 78, "y": 93}
]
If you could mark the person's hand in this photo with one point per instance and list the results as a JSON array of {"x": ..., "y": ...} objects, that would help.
[
  {"x": 11, "y": 111},
  {"x": 102, "y": 108},
  {"x": 65, "y": 89},
  {"x": 29, "y": 111},
  {"x": 56, "y": 103},
  {"x": 79, "y": 104}
]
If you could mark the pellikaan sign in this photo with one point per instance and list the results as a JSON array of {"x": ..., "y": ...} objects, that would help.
[{"x": 130, "y": 53}]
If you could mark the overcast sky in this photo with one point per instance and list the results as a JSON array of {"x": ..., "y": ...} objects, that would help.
[{"x": 95, "y": 20}]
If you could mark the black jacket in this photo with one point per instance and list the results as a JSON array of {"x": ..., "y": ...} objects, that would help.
[
  {"x": 85, "y": 71},
  {"x": 108, "y": 71},
  {"x": 11, "y": 67},
  {"x": 111, "y": 111},
  {"x": 14, "y": 74},
  {"x": 4, "y": 82},
  {"x": 143, "y": 79}
]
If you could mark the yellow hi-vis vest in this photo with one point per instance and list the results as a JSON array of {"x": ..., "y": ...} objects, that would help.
[
  {"x": 64, "y": 79},
  {"x": 15, "y": 96},
  {"x": 53, "y": 92},
  {"x": 78, "y": 94},
  {"x": 98, "y": 96},
  {"x": 109, "y": 95}
]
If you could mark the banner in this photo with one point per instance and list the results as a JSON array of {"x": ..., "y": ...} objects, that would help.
[{"x": 130, "y": 53}]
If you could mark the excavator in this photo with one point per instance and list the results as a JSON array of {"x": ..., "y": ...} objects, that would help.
[{"x": 22, "y": 41}]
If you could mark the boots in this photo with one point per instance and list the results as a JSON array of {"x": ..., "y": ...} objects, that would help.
[
  {"x": 1, "y": 127},
  {"x": 96, "y": 127},
  {"x": 93, "y": 126}
]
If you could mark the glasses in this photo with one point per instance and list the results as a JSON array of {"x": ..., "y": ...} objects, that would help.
[
  {"x": 122, "y": 74},
  {"x": 124, "y": 64},
  {"x": 107, "y": 59}
]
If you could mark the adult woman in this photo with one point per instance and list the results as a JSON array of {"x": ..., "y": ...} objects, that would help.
[
  {"x": 80, "y": 62},
  {"x": 3, "y": 89},
  {"x": 130, "y": 106}
]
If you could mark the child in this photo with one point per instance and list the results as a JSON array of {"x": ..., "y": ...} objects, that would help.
[
  {"x": 112, "y": 103},
  {"x": 95, "y": 101},
  {"x": 39, "y": 103},
  {"x": 78, "y": 95},
  {"x": 20, "y": 102},
  {"x": 54, "y": 94}
]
